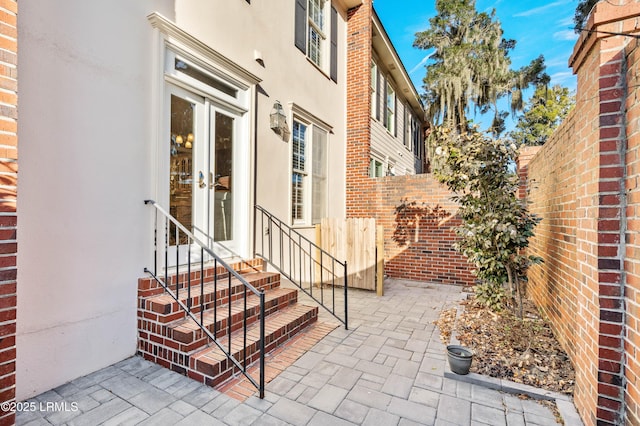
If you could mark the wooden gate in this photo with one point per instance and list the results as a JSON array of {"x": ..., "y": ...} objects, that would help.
[{"x": 355, "y": 240}]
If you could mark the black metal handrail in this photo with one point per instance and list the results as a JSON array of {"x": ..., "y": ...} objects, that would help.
[
  {"x": 301, "y": 261},
  {"x": 174, "y": 232}
]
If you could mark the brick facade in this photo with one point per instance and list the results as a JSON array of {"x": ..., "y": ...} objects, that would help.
[
  {"x": 358, "y": 109},
  {"x": 583, "y": 183},
  {"x": 8, "y": 199},
  {"x": 632, "y": 236},
  {"x": 419, "y": 220},
  {"x": 416, "y": 211}
]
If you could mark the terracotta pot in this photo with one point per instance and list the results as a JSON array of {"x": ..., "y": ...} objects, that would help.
[{"x": 459, "y": 359}]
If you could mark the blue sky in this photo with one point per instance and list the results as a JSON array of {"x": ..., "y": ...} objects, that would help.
[{"x": 538, "y": 26}]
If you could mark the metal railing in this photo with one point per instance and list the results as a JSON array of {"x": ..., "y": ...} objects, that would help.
[
  {"x": 302, "y": 262},
  {"x": 177, "y": 238}
]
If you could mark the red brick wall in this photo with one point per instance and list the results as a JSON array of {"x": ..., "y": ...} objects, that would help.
[
  {"x": 632, "y": 249},
  {"x": 583, "y": 183},
  {"x": 419, "y": 222},
  {"x": 358, "y": 108},
  {"x": 563, "y": 286},
  {"x": 8, "y": 197},
  {"x": 416, "y": 212},
  {"x": 552, "y": 189}
]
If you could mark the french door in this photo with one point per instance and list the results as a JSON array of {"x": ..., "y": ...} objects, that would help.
[{"x": 202, "y": 174}]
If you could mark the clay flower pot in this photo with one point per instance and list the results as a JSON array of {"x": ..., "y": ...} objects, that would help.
[{"x": 459, "y": 359}]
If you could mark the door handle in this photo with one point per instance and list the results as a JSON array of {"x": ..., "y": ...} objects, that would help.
[
  {"x": 211, "y": 182},
  {"x": 201, "y": 182}
]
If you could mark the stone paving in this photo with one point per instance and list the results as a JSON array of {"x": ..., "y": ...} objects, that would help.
[{"x": 389, "y": 368}]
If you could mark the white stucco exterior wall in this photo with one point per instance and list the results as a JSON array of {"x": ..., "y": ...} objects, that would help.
[
  {"x": 87, "y": 133},
  {"x": 288, "y": 76},
  {"x": 85, "y": 140}
]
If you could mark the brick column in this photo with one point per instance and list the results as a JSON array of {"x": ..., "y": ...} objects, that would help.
[
  {"x": 8, "y": 199},
  {"x": 632, "y": 240},
  {"x": 525, "y": 156},
  {"x": 600, "y": 62},
  {"x": 359, "y": 185}
]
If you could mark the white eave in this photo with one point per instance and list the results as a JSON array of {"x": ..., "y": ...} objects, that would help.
[
  {"x": 391, "y": 63},
  {"x": 349, "y": 4}
]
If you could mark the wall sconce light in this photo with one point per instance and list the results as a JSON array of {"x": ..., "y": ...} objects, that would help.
[{"x": 278, "y": 121}]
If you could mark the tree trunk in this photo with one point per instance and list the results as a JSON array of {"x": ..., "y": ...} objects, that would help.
[
  {"x": 510, "y": 280},
  {"x": 513, "y": 283},
  {"x": 517, "y": 284}
]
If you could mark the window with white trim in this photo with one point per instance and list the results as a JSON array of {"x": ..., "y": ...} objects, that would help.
[
  {"x": 309, "y": 174},
  {"x": 408, "y": 128},
  {"x": 316, "y": 34},
  {"x": 319, "y": 175},
  {"x": 416, "y": 137},
  {"x": 390, "y": 121},
  {"x": 376, "y": 168},
  {"x": 299, "y": 171},
  {"x": 374, "y": 89}
]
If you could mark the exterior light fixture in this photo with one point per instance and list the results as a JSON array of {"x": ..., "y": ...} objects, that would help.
[{"x": 278, "y": 120}]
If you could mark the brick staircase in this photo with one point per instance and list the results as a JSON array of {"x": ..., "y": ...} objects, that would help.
[{"x": 168, "y": 337}]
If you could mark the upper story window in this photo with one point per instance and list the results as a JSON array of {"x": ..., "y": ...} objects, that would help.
[
  {"x": 408, "y": 127},
  {"x": 316, "y": 34},
  {"x": 317, "y": 37},
  {"x": 416, "y": 137},
  {"x": 390, "y": 112},
  {"x": 374, "y": 89}
]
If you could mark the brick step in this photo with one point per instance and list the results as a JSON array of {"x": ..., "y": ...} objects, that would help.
[
  {"x": 149, "y": 287},
  {"x": 212, "y": 367},
  {"x": 191, "y": 337},
  {"x": 166, "y": 309}
]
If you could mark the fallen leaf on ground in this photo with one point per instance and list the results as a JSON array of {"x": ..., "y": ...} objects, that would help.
[{"x": 506, "y": 347}]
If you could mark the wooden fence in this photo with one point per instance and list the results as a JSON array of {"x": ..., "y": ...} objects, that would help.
[{"x": 361, "y": 243}]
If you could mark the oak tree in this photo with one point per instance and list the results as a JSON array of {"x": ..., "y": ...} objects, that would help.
[{"x": 470, "y": 66}]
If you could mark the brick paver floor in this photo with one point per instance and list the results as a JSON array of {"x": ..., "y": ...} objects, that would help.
[{"x": 389, "y": 368}]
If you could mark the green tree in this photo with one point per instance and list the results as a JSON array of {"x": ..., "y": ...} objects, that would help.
[
  {"x": 582, "y": 13},
  {"x": 471, "y": 66},
  {"x": 496, "y": 224},
  {"x": 543, "y": 113}
]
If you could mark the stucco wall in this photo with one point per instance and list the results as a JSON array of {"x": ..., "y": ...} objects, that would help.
[
  {"x": 91, "y": 83},
  {"x": 287, "y": 76},
  {"x": 85, "y": 100}
]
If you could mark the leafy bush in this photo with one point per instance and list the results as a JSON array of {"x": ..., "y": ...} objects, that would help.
[{"x": 496, "y": 224}]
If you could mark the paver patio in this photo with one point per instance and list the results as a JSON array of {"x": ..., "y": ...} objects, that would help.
[{"x": 389, "y": 368}]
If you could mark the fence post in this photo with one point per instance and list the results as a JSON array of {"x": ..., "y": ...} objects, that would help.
[
  {"x": 318, "y": 261},
  {"x": 380, "y": 260}
]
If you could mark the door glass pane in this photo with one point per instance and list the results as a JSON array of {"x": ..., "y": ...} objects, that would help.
[
  {"x": 223, "y": 172},
  {"x": 181, "y": 165}
]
